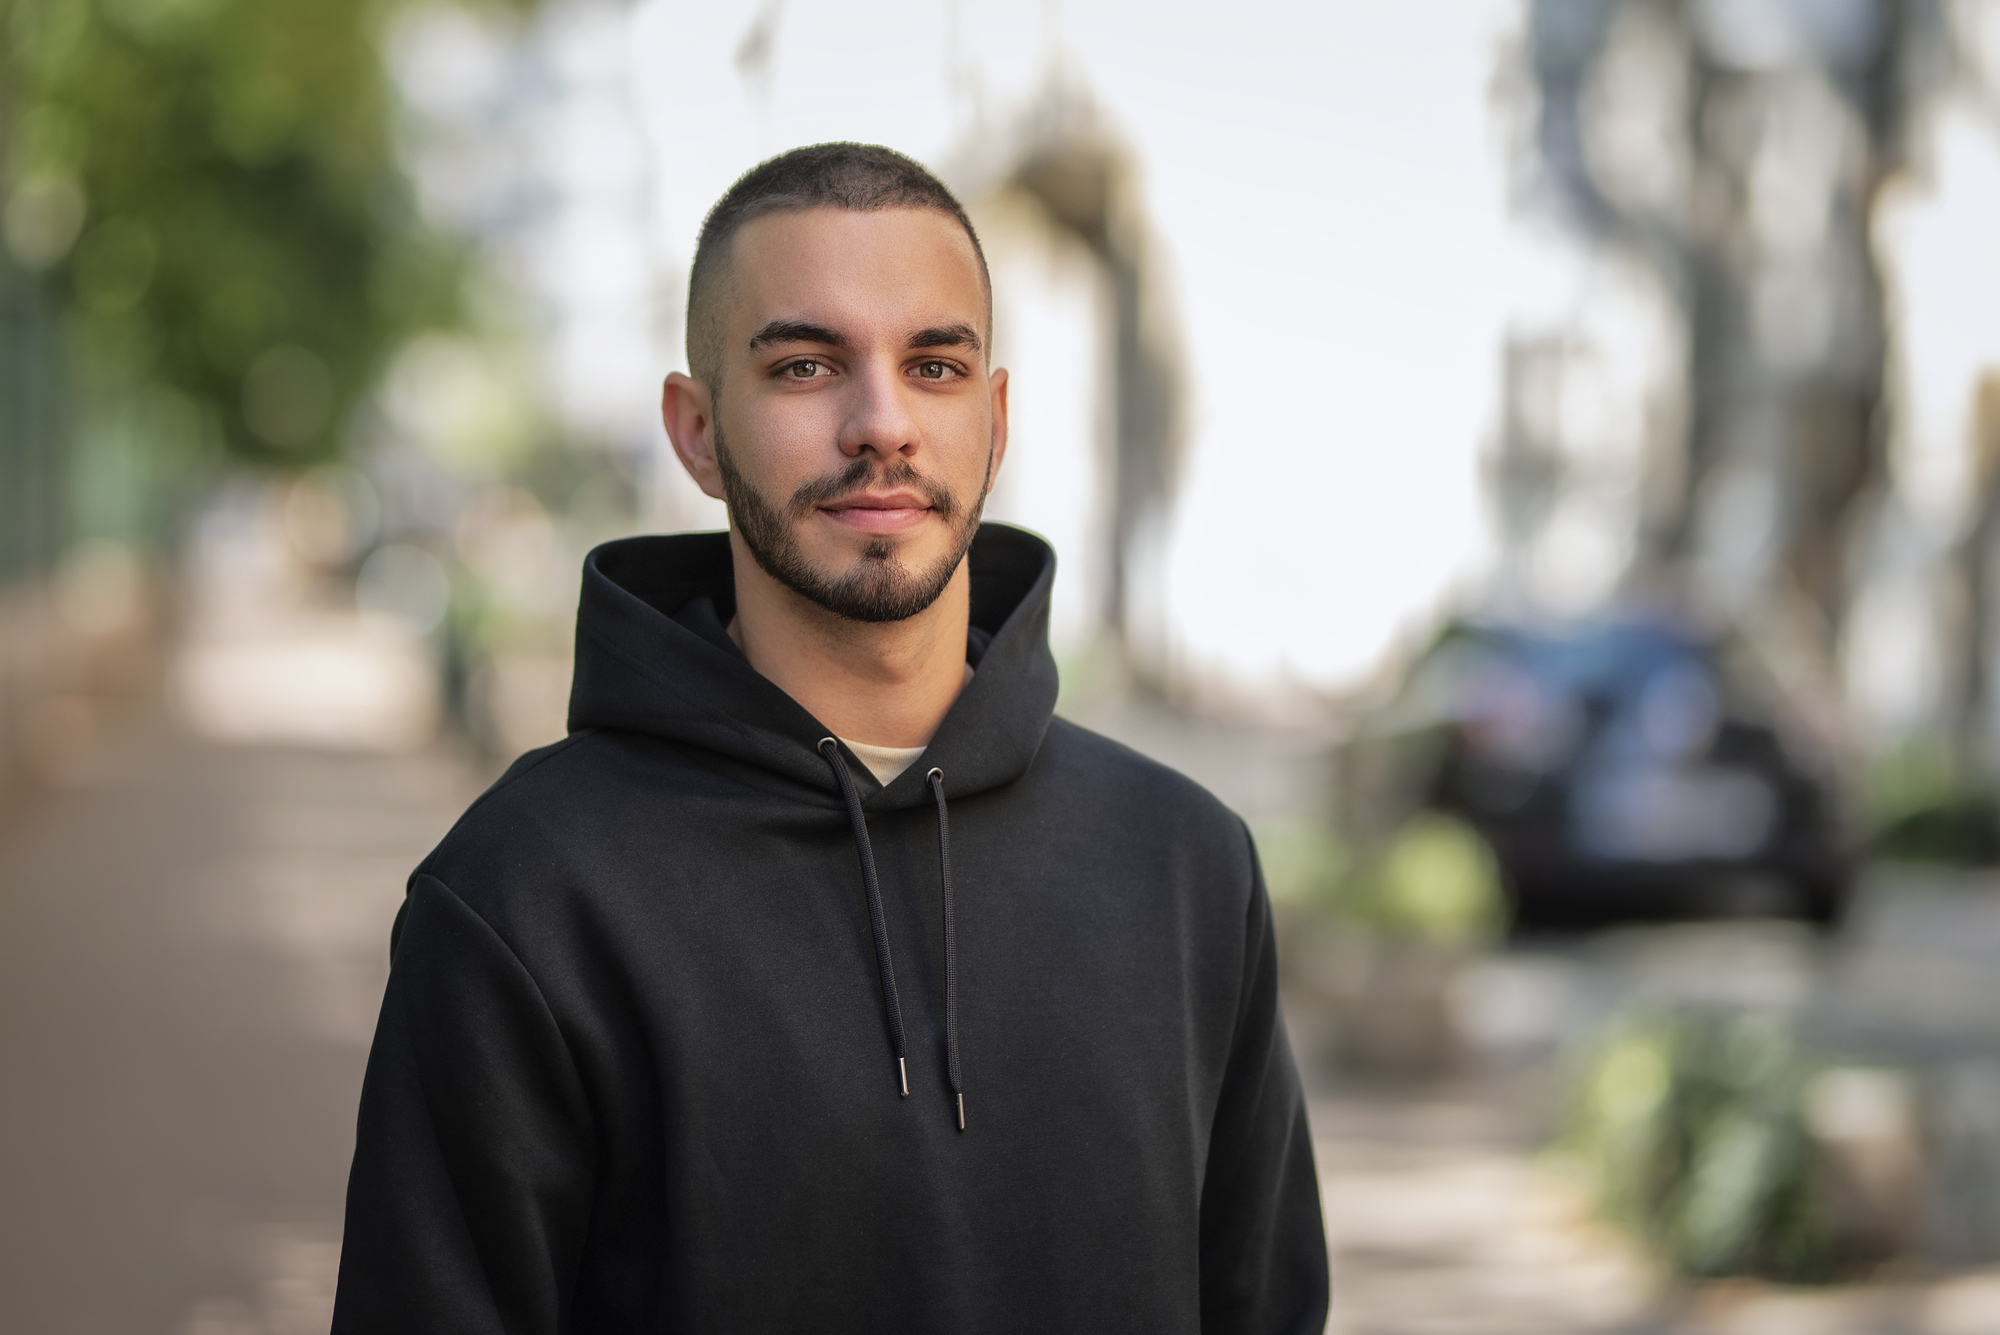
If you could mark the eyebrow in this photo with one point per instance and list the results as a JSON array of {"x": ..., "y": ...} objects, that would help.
[
  {"x": 945, "y": 336},
  {"x": 795, "y": 331}
]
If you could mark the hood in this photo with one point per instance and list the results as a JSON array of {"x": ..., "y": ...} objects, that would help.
[{"x": 652, "y": 657}]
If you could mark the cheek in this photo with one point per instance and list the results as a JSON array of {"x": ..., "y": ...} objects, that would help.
[
  {"x": 973, "y": 454},
  {"x": 782, "y": 443}
]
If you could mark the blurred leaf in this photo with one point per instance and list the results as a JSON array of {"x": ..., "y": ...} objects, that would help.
[
  {"x": 1687, "y": 1129},
  {"x": 211, "y": 190},
  {"x": 1304, "y": 861},
  {"x": 1435, "y": 879}
]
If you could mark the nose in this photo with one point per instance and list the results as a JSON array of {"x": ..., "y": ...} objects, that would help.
[{"x": 878, "y": 417}]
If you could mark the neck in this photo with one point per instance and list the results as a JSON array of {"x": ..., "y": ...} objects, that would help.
[{"x": 886, "y": 683}]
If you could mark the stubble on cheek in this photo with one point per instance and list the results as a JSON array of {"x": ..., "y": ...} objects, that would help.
[{"x": 878, "y": 587}]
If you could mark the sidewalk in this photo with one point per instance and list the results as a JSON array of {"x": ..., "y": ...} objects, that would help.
[{"x": 193, "y": 942}]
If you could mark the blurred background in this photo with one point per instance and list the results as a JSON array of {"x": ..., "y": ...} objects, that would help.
[{"x": 1538, "y": 460}]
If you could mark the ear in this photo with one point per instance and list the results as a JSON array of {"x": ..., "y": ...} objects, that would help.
[
  {"x": 688, "y": 412},
  {"x": 996, "y": 384}
]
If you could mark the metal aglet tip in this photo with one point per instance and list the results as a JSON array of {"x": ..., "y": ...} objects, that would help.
[
  {"x": 961, "y": 1112},
  {"x": 903, "y": 1074}
]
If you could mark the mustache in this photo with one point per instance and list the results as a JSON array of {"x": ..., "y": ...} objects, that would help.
[{"x": 858, "y": 475}]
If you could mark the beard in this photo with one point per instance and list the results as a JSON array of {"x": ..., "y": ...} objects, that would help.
[{"x": 879, "y": 587}]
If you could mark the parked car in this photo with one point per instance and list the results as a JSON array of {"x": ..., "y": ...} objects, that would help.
[{"x": 1618, "y": 768}]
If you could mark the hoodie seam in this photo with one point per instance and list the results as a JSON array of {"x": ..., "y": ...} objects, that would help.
[
  {"x": 504, "y": 782},
  {"x": 580, "y": 1088},
  {"x": 1252, "y": 945},
  {"x": 541, "y": 998},
  {"x": 1252, "y": 941}
]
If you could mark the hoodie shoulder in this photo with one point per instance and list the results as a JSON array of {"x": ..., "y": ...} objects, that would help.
[
  {"x": 508, "y": 788},
  {"x": 1116, "y": 772},
  {"x": 530, "y": 801},
  {"x": 1072, "y": 744}
]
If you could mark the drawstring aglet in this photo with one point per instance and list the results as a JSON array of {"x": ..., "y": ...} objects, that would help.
[
  {"x": 903, "y": 1074},
  {"x": 961, "y": 1112}
]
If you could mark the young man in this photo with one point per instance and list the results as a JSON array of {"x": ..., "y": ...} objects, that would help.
[{"x": 821, "y": 980}]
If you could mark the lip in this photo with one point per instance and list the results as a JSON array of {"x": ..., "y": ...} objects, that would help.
[{"x": 891, "y": 512}]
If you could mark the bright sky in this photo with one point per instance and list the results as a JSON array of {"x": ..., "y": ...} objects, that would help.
[
  {"x": 1935, "y": 235},
  {"x": 1325, "y": 181},
  {"x": 1938, "y": 234}
]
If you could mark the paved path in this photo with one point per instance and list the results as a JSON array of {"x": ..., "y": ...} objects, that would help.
[
  {"x": 1439, "y": 1223},
  {"x": 192, "y": 947}
]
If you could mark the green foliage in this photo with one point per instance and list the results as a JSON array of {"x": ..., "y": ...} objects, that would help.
[
  {"x": 1687, "y": 1129},
  {"x": 1923, "y": 809},
  {"x": 1434, "y": 879},
  {"x": 1962, "y": 831},
  {"x": 1304, "y": 862},
  {"x": 209, "y": 189}
]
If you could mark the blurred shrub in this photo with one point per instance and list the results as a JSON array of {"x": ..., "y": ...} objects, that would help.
[
  {"x": 1962, "y": 831},
  {"x": 1922, "y": 809},
  {"x": 1304, "y": 861},
  {"x": 1732, "y": 1150},
  {"x": 1686, "y": 1129},
  {"x": 1434, "y": 879},
  {"x": 1375, "y": 945}
]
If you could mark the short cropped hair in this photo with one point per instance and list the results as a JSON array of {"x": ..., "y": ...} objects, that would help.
[{"x": 863, "y": 178}]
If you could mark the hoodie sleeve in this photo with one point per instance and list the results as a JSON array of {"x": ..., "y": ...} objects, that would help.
[
  {"x": 1263, "y": 1246},
  {"x": 474, "y": 1157}
]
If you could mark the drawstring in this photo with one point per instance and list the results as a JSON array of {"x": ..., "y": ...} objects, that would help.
[
  {"x": 829, "y": 749},
  {"x": 936, "y": 781}
]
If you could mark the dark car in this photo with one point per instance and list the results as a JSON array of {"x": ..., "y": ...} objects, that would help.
[{"x": 1618, "y": 768}]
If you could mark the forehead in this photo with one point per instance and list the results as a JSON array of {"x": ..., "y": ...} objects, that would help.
[{"x": 899, "y": 268}]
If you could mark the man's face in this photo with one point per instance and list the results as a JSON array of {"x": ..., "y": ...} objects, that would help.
[{"x": 858, "y": 429}]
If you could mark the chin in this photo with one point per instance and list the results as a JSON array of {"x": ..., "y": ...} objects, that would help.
[{"x": 846, "y": 549}]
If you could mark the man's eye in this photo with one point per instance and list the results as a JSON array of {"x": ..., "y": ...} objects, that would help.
[
  {"x": 933, "y": 370},
  {"x": 803, "y": 370}
]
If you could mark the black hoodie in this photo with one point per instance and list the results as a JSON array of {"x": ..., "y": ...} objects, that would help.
[{"x": 636, "y": 1066}]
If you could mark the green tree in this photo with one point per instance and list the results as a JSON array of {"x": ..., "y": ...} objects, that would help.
[{"x": 208, "y": 193}]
